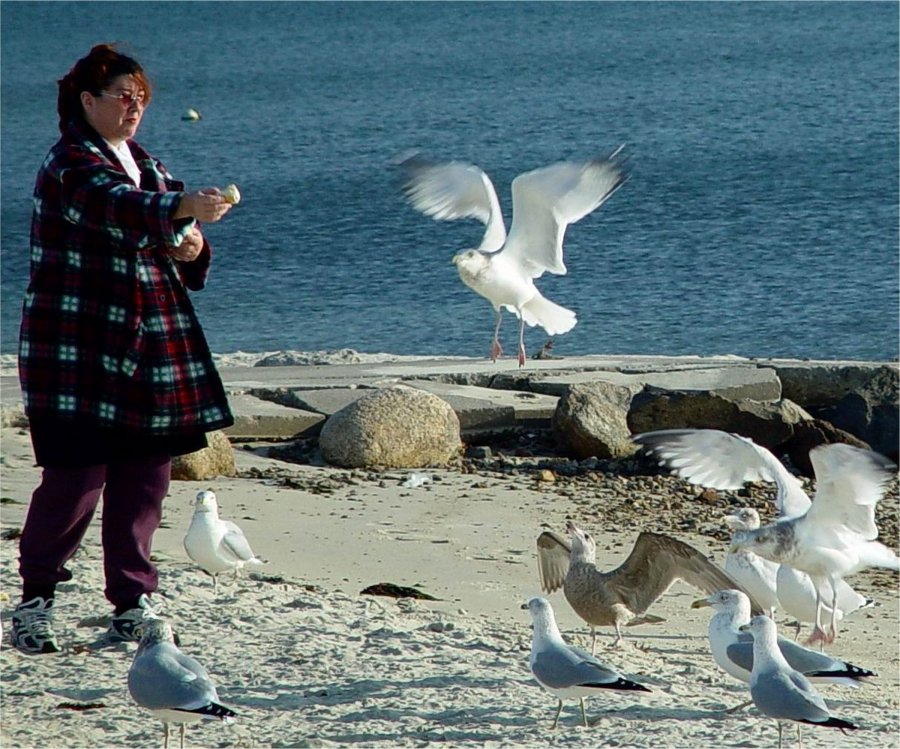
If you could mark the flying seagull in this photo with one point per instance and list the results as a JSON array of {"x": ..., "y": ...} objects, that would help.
[
  {"x": 503, "y": 267},
  {"x": 778, "y": 690},
  {"x": 565, "y": 671},
  {"x": 710, "y": 457},
  {"x": 733, "y": 650},
  {"x": 621, "y": 597},
  {"x": 216, "y": 545},
  {"x": 171, "y": 685}
]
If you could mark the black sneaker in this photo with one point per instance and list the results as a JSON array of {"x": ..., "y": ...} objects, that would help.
[
  {"x": 32, "y": 627},
  {"x": 128, "y": 626}
]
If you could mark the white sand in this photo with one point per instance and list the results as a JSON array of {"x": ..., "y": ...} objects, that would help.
[{"x": 309, "y": 662}]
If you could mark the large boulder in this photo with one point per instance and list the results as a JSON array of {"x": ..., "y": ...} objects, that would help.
[
  {"x": 768, "y": 423},
  {"x": 393, "y": 427},
  {"x": 810, "y": 434},
  {"x": 216, "y": 459},
  {"x": 863, "y": 399},
  {"x": 590, "y": 420},
  {"x": 871, "y": 413}
]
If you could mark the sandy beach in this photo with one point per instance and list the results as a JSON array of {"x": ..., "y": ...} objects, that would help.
[{"x": 307, "y": 661}]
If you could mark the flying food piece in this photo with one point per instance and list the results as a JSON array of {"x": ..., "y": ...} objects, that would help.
[{"x": 232, "y": 194}]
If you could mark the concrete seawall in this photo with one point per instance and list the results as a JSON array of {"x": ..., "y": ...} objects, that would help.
[{"x": 284, "y": 401}]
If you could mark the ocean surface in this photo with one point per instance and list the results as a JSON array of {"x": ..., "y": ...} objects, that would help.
[{"x": 760, "y": 219}]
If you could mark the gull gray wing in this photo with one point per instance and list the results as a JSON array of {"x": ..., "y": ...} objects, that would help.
[
  {"x": 849, "y": 483},
  {"x": 553, "y": 560},
  {"x": 163, "y": 677},
  {"x": 547, "y": 200},
  {"x": 562, "y": 668},
  {"x": 235, "y": 542},
  {"x": 788, "y": 695},
  {"x": 710, "y": 457},
  {"x": 453, "y": 190},
  {"x": 657, "y": 561}
]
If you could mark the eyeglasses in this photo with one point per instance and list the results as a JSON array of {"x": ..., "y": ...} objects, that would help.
[{"x": 126, "y": 98}]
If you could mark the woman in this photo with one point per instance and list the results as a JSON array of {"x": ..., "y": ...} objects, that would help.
[{"x": 116, "y": 374}]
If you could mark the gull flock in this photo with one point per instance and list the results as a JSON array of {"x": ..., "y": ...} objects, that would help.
[
  {"x": 796, "y": 565},
  {"x": 780, "y": 674}
]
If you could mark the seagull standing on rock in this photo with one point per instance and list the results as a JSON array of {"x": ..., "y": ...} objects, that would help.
[
  {"x": 216, "y": 545},
  {"x": 503, "y": 268}
]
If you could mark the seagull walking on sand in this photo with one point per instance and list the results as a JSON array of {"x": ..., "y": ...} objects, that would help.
[
  {"x": 216, "y": 545},
  {"x": 779, "y": 691},
  {"x": 171, "y": 685},
  {"x": 732, "y": 649},
  {"x": 620, "y": 598},
  {"x": 503, "y": 267},
  {"x": 710, "y": 457},
  {"x": 566, "y": 671}
]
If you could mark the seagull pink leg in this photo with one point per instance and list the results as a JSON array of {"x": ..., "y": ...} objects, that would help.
[
  {"x": 496, "y": 349},
  {"x": 819, "y": 635},
  {"x": 521, "y": 342},
  {"x": 832, "y": 631}
]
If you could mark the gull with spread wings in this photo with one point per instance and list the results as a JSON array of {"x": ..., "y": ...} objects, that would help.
[
  {"x": 503, "y": 267},
  {"x": 622, "y": 596},
  {"x": 718, "y": 459}
]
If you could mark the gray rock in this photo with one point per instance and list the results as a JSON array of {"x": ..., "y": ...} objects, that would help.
[
  {"x": 810, "y": 434},
  {"x": 871, "y": 412},
  {"x": 591, "y": 420},
  {"x": 766, "y": 423},
  {"x": 393, "y": 427},
  {"x": 216, "y": 459},
  {"x": 818, "y": 384}
]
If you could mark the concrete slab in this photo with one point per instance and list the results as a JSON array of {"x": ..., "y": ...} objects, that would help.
[
  {"x": 480, "y": 408},
  {"x": 731, "y": 382},
  {"x": 262, "y": 419},
  {"x": 325, "y": 401}
]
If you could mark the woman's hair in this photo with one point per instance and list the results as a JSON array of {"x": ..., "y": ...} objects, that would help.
[{"x": 93, "y": 73}]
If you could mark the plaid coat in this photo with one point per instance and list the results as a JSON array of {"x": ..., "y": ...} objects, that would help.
[{"x": 109, "y": 334}]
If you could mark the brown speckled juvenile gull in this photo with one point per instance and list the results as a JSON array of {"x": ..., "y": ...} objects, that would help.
[{"x": 621, "y": 597}]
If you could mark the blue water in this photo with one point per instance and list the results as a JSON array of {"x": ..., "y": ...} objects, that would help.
[{"x": 761, "y": 217}]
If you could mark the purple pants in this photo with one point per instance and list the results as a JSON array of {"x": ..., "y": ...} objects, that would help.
[{"x": 61, "y": 510}]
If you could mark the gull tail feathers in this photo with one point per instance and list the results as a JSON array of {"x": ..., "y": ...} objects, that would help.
[
  {"x": 876, "y": 554},
  {"x": 553, "y": 318}
]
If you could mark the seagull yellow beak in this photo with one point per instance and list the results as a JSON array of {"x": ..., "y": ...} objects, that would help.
[{"x": 700, "y": 603}]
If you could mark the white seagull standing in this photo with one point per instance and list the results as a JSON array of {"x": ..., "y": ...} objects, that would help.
[
  {"x": 171, "y": 685},
  {"x": 566, "y": 671},
  {"x": 757, "y": 575},
  {"x": 710, "y": 457},
  {"x": 778, "y": 690},
  {"x": 503, "y": 268},
  {"x": 216, "y": 545},
  {"x": 732, "y": 649}
]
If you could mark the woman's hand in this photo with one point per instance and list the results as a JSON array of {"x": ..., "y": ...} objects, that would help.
[
  {"x": 190, "y": 247},
  {"x": 207, "y": 205}
]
